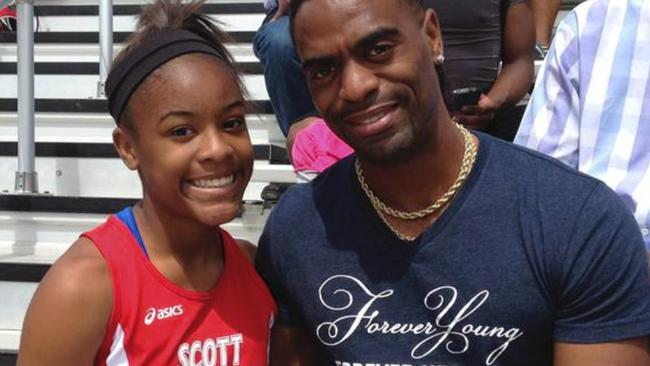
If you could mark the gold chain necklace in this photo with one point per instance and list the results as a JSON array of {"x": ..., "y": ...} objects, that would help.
[{"x": 469, "y": 157}]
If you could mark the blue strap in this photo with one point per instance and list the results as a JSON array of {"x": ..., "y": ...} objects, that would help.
[{"x": 126, "y": 215}]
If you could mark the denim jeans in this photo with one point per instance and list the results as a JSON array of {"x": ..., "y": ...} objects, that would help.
[{"x": 285, "y": 81}]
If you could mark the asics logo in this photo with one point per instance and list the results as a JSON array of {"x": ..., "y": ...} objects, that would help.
[{"x": 163, "y": 313}]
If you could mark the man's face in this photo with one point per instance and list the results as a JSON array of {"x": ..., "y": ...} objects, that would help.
[{"x": 370, "y": 69}]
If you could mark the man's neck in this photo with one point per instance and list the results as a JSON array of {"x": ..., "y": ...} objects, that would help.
[{"x": 416, "y": 182}]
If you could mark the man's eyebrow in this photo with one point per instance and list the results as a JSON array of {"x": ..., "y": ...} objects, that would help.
[
  {"x": 317, "y": 60},
  {"x": 370, "y": 39},
  {"x": 365, "y": 42}
]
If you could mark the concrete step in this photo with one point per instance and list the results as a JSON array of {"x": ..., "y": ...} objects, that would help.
[
  {"x": 79, "y": 23},
  {"x": 14, "y": 308},
  {"x": 105, "y": 177},
  {"x": 9, "y": 341},
  {"x": 38, "y": 229},
  {"x": 75, "y": 52},
  {"x": 72, "y": 86},
  {"x": 98, "y": 127},
  {"x": 231, "y": 17}
]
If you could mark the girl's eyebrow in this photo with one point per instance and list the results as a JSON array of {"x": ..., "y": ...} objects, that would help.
[
  {"x": 177, "y": 113},
  {"x": 239, "y": 103}
]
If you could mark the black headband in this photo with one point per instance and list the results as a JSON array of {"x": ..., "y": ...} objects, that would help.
[{"x": 134, "y": 68}]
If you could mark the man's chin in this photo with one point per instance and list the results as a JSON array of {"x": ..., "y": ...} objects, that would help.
[{"x": 393, "y": 151}]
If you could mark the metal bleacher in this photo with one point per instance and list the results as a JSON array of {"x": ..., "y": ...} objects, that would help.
[{"x": 81, "y": 180}]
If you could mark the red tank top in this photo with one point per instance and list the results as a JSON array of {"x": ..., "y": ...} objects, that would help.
[{"x": 155, "y": 322}]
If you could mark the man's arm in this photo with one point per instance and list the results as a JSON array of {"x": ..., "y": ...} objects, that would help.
[
  {"x": 632, "y": 352},
  {"x": 603, "y": 295},
  {"x": 517, "y": 68},
  {"x": 68, "y": 316},
  {"x": 550, "y": 124},
  {"x": 544, "y": 12},
  {"x": 283, "y": 9},
  {"x": 293, "y": 346}
]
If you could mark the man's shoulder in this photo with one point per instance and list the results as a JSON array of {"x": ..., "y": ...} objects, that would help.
[
  {"x": 532, "y": 178},
  {"x": 547, "y": 191},
  {"x": 526, "y": 164}
]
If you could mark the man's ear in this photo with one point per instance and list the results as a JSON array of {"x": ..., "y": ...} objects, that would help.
[
  {"x": 433, "y": 34},
  {"x": 123, "y": 141}
]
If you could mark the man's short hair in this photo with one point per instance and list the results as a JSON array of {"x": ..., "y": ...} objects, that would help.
[{"x": 295, "y": 5}]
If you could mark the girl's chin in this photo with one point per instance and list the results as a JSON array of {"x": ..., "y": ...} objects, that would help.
[{"x": 219, "y": 216}]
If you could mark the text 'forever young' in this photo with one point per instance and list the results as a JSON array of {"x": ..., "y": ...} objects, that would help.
[{"x": 361, "y": 313}]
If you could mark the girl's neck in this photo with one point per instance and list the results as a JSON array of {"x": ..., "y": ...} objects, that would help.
[
  {"x": 185, "y": 239},
  {"x": 188, "y": 253}
]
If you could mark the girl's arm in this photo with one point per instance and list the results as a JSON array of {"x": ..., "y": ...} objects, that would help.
[{"x": 69, "y": 313}]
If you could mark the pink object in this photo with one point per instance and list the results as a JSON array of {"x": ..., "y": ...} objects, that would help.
[
  {"x": 316, "y": 147},
  {"x": 7, "y": 20}
]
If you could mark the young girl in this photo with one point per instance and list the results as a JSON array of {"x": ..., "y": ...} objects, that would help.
[{"x": 159, "y": 283}]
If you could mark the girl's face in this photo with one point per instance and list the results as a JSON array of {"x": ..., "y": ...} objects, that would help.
[{"x": 191, "y": 145}]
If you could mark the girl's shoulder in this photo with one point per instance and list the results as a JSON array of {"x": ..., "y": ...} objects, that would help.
[
  {"x": 70, "y": 310},
  {"x": 247, "y": 248}
]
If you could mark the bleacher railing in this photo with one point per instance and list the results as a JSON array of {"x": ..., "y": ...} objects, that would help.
[
  {"x": 105, "y": 43},
  {"x": 26, "y": 176}
]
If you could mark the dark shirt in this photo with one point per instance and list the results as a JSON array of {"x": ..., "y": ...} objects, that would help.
[
  {"x": 529, "y": 252},
  {"x": 471, "y": 32}
]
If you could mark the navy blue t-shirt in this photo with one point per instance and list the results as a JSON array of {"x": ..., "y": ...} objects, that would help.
[{"x": 529, "y": 252}]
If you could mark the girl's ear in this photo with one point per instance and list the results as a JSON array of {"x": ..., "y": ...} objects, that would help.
[
  {"x": 431, "y": 30},
  {"x": 123, "y": 141}
]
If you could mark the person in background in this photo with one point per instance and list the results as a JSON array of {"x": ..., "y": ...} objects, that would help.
[
  {"x": 591, "y": 104},
  {"x": 488, "y": 45},
  {"x": 285, "y": 81},
  {"x": 544, "y": 14},
  {"x": 160, "y": 283},
  {"x": 311, "y": 146},
  {"x": 434, "y": 244}
]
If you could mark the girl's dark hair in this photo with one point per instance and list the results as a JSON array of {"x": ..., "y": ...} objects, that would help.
[{"x": 176, "y": 14}]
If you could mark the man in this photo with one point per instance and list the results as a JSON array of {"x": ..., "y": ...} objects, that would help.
[
  {"x": 519, "y": 260},
  {"x": 591, "y": 104}
]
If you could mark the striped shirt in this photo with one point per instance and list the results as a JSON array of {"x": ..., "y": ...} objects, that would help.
[
  {"x": 591, "y": 104},
  {"x": 270, "y": 4}
]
